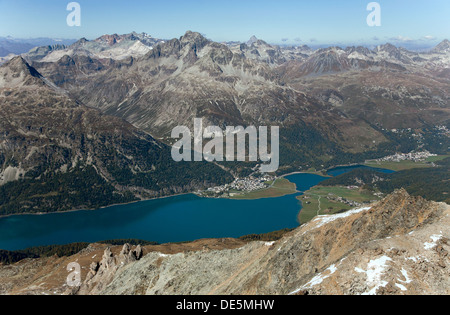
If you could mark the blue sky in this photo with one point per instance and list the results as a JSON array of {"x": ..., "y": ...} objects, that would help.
[{"x": 276, "y": 21}]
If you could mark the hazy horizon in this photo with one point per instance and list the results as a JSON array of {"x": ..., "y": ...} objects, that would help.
[
  {"x": 419, "y": 46},
  {"x": 322, "y": 23}
]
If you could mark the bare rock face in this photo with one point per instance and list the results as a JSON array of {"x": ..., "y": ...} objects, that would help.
[
  {"x": 398, "y": 246},
  {"x": 103, "y": 272}
]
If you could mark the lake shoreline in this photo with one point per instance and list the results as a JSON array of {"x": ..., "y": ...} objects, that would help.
[
  {"x": 188, "y": 218},
  {"x": 312, "y": 173},
  {"x": 175, "y": 195},
  {"x": 100, "y": 208}
]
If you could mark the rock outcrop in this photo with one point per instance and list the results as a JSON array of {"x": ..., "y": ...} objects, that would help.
[{"x": 102, "y": 273}]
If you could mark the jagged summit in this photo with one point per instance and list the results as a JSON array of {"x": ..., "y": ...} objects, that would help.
[
  {"x": 252, "y": 40},
  {"x": 190, "y": 33},
  {"x": 194, "y": 38},
  {"x": 79, "y": 42},
  {"x": 443, "y": 47},
  {"x": 20, "y": 64},
  {"x": 388, "y": 47},
  {"x": 114, "y": 46},
  {"x": 17, "y": 71},
  {"x": 48, "y": 47},
  {"x": 114, "y": 39},
  {"x": 359, "y": 49},
  {"x": 109, "y": 39},
  {"x": 195, "y": 41}
]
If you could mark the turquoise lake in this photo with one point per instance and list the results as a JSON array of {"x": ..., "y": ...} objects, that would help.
[{"x": 173, "y": 219}]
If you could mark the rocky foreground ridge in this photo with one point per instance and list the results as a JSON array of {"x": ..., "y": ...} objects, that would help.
[{"x": 399, "y": 245}]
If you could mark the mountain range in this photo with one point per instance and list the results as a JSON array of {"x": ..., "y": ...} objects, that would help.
[
  {"x": 17, "y": 46},
  {"x": 342, "y": 97}
]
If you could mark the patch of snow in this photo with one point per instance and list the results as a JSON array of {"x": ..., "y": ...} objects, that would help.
[
  {"x": 402, "y": 287},
  {"x": 279, "y": 249},
  {"x": 417, "y": 258},
  {"x": 56, "y": 55},
  {"x": 405, "y": 275},
  {"x": 325, "y": 219},
  {"x": 119, "y": 53},
  {"x": 435, "y": 239},
  {"x": 414, "y": 259},
  {"x": 375, "y": 270},
  {"x": 317, "y": 279},
  {"x": 357, "y": 55},
  {"x": 11, "y": 174}
]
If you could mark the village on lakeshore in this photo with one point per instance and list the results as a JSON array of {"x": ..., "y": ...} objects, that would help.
[
  {"x": 257, "y": 182},
  {"x": 240, "y": 186},
  {"x": 413, "y": 156}
]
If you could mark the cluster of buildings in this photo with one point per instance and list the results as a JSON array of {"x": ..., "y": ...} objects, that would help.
[
  {"x": 418, "y": 136},
  {"x": 351, "y": 203},
  {"x": 248, "y": 184},
  {"x": 443, "y": 130},
  {"x": 343, "y": 200},
  {"x": 401, "y": 130},
  {"x": 413, "y": 156}
]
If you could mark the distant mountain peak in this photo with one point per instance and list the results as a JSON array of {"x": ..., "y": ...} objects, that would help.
[
  {"x": 79, "y": 42},
  {"x": 444, "y": 46},
  {"x": 252, "y": 40},
  {"x": 18, "y": 64},
  {"x": 109, "y": 39},
  {"x": 388, "y": 47},
  {"x": 360, "y": 49},
  {"x": 194, "y": 38},
  {"x": 192, "y": 35},
  {"x": 17, "y": 72}
]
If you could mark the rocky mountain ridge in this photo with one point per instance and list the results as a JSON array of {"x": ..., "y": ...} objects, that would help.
[
  {"x": 116, "y": 47},
  {"x": 219, "y": 83}
]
